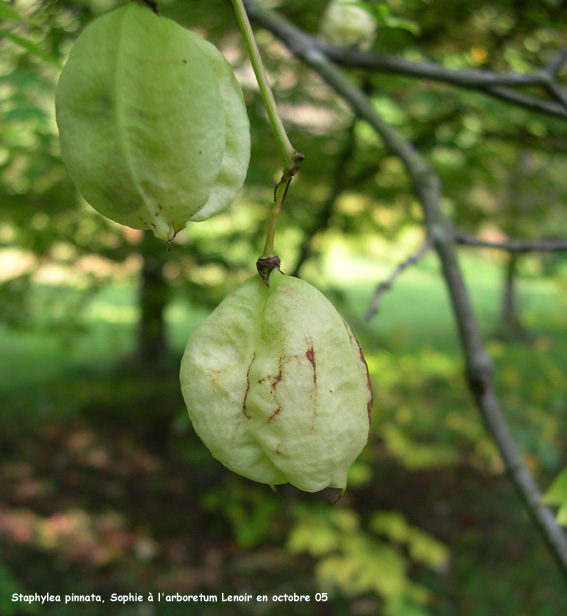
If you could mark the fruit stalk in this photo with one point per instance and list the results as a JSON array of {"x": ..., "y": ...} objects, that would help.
[
  {"x": 279, "y": 196},
  {"x": 290, "y": 156}
]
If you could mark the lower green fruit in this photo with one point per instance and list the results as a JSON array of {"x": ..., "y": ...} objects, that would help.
[{"x": 277, "y": 387}]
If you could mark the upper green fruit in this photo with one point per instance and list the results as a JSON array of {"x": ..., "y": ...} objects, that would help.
[
  {"x": 345, "y": 24},
  {"x": 277, "y": 387},
  {"x": 152, "y": 122}
]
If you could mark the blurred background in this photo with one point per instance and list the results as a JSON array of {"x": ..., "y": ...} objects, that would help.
[{"x": 104, "y": 486}]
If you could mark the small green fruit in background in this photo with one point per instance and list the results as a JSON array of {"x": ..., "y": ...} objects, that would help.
[
  {"x": 277, "y": 387},
  {"x": 152, "y": 122},
  {"x": 346, "y": 25}
]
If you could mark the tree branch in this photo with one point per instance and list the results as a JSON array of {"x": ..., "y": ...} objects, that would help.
[
  {"x": 441, "y": 233},
  {"x": 527, "y": 101},
  {"x": 557, "y": 61},
  {"x": 557, "y": 92},
  {"x": 468, "y": 78},
  {"x": 387, "y": 284},
  {"x": 513, "y": 245},
  {"x": 498, "y": 85}
]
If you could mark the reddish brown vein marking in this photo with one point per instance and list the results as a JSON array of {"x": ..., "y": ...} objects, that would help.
[
  {"x": 368, "y": 383},
  {"x": 247, "y": 388},
  {"x": 275, "y": 413},
  {"x": 236, "y": 431},
  {"x": 310, "y": 354},
  {"x": 275, "y": 380}
]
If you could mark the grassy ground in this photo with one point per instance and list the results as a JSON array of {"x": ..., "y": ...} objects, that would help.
[{"x": 415, "y": 314}]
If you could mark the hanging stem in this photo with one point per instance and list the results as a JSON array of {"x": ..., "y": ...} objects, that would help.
[
  {"x": 279, "y": 196},
  {"x": 290, "y": 156}
]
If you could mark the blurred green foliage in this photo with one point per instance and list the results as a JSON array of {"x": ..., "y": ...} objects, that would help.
[
  {"x": 557, "y": 495},
  {"x": 105, "y": 487}
]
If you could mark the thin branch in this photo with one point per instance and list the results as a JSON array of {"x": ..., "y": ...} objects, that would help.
[
  {"x": 527, "y": 101},
  {"x": 513, "y": 245},
  {"x": 468, "y": 78},
  {"x": 279, "y": 197},
  {"x": 386, "y": 285},
  {"x": 442, "y": 234},
  {"x": 557, "y": 61},
  {"x": 498, "y": 85},
  {"x": 557, "y": 92},
  {"x": 290, "y": 156}
]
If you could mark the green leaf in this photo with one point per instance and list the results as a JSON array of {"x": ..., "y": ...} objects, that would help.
[
  {"x": 422, "y": 546},
  {"x": 383, "y": 15},
  {"x": 365, "y": 566},
  {"x": 315, "y": 539},
  {"x": 391, "y": 21},
  {"x": 31, "y": 47},
  {"x": 557, "y": 493},
  {"x": 562, "y": 515}
]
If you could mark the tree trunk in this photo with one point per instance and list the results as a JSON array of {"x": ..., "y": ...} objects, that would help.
[{"x": 154, "y": 294}]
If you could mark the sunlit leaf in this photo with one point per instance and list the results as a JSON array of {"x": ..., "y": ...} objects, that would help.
[
  {"x": 313, "y": 537},
  {"x": 557, "y": 493},
  {"x": 422, "y": 546},
  {"x": 418, "y": 455},
  {"x": 562, "y": 515}
]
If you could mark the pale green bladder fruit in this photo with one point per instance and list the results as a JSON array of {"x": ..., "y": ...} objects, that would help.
[
  {"x": 152, "y": 122},
  {"x": 346, "y": 25},
  {"x": 277, "y": 387}
]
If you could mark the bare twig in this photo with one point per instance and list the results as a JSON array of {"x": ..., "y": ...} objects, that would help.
[
  {"x": 513, "y": 245},
  {"x": 386, "y": 285},
  {"x": 557, "y": 92},
  {"x": 498, "y": 85},
  {"x": 468, "y": 78},
  {"x": 549, "y": 107},
  {"x": 557, "y": 61},
  {"x": 442, "y": 235}
]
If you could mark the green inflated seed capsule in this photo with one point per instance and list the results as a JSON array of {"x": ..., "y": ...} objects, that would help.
[
  {"x": 345, "y": 24},
  {"x": 152, "y": 122},
  {"x": 277, "y": 387}
]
